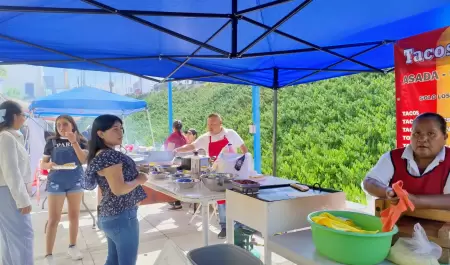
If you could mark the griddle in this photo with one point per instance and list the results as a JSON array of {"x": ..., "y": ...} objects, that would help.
[{"x": 286, "y": 192}]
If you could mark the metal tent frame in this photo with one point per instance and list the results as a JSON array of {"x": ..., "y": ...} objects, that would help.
[{"x": 182, "y": 60}]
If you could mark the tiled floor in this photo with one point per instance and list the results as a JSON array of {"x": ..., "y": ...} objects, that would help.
[{"x": 157, "y": 225}]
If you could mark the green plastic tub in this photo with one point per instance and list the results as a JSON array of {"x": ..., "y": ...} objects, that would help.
[{"x": 352, "y": 248}]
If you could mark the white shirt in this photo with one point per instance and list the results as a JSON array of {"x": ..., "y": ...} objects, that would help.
[
  {"x": 233, "y": 138},
  {"x": 383, "y": 171},
  {"x": 15, "y": 166}
]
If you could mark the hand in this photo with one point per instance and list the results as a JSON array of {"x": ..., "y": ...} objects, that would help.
[
  {"x": 50, "y": 165},
  {"x": 391, "y": 196},
  {"x": 175, "y": 150},
  {"x": 71, "y": 137},
  {"x": 25, "y": 210},
  {"x": 142, "y": 178}
]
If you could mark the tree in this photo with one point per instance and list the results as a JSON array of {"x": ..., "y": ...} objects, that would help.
[
  {"x": 13, "y": 92},
  {"x": 330, "y": 132}
]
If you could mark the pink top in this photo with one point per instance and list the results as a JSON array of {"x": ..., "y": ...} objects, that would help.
[{"x": 177, "y": 138}]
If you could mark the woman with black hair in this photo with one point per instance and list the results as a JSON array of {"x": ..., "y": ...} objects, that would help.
[
  {"x": 176, "y": 139},
  {"x": 191, "y": 135},
  {"x": 423, "y": 166},
  {"x": 120, "y": 184},
  {"x": 16, "y": 232},
  {"x": 68, "y": 148}
]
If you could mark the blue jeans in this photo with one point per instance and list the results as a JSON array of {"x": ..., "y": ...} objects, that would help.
[
  {"x": 222, "y": 215},
  {"x": 16, "y": 232},
  {"x": 122, "y": 233}
]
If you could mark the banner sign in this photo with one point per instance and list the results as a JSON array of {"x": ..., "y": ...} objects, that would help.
[{"x": 422, "y": 79}]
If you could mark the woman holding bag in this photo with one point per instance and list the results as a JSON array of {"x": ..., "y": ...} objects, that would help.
[{"x": 16, "y": 232}]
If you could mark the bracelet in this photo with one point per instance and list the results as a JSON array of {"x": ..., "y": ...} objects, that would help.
[{"x": 73, "y": 143}]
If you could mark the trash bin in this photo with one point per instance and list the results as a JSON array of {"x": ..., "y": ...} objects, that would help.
[{"x": 222, "y": 254}]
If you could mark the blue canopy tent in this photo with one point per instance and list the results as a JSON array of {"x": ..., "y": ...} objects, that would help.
[
  {"x": 88, "y": 102},
  {"x": 269, "y": 43}
]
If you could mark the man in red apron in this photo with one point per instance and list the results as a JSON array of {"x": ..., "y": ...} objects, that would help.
[{"x": 213, "y": 142}]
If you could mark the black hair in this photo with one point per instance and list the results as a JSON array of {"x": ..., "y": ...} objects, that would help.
[
  {"x": 177, "y": 125},
  {"x": 80, "y": 137},
  {"x": 101, "y": 123},
  {"x": 433, "y": 116},
  {"x": 192, "y": 131},
  {"x": 12, "y": 108}
]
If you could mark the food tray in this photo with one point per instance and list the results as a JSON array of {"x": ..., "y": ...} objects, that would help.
[
  {"x": 245, "y": 186},
  {"x": 63, "y": 167}
]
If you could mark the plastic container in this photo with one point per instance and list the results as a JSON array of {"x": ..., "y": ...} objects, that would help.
[
  {"x": 222, "y": 254},
  {"x": 352, "y": 248}
]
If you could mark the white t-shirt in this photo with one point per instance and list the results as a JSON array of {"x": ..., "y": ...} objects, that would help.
[
  {"x": 233, "y": 138},
  {"x": 383, "y": 171}
]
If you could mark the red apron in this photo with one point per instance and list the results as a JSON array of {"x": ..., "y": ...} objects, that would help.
[{"x": 214, "y": 149}]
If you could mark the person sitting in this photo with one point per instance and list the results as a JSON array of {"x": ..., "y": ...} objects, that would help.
[{"x": 423, "y": 166}]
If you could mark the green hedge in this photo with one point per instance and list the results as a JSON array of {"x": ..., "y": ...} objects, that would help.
[{"x": 331, "y": 132}]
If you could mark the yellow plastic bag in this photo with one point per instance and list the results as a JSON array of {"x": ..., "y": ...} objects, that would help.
[
  {"x": 415, "y": 251},
  {"x": 331, "y": 221}
]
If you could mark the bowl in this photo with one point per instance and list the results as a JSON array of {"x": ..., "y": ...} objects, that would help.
[
  {"x": 169, "y": 169},
  {"x": 218, "y": 182},
  {"x": 159, "y": 175},
  {"x": 352, "y": 248},
  {"x": 185, "y": 183}
]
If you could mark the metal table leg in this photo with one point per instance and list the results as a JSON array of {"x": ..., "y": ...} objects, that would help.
[
  {"x": 89, "y": 211},
  {"x": 205, "y": 222}
]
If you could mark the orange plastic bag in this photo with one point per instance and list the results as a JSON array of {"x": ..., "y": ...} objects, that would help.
[{"x": 391, "y": 215}]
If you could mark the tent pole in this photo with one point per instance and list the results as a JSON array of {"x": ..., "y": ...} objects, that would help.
[
  {"x": 170, "y": 106},
  {"x": 151, "y": 129},
  {"x": 275, "y": 87},
  {"x": 274, "y": 136},
  {"x": 256, "y": 122}
]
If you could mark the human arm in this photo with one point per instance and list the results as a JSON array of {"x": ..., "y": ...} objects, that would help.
[
  {"x": 9, "y": 166},
  {"x": 244, "y": 149},
  {"x": 185, "y": 148},
  {"x": 236, "y": 140},
  {"x": 438, "y": 202},
  {"x": 376, "y": 182},
  {"x": 46, "y": 162},
  {"x": 79, "y": 148},
  {"x": 118, "y": 185}
]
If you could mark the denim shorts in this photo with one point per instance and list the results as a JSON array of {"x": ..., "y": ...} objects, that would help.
[{"x": 63, "y": 187}]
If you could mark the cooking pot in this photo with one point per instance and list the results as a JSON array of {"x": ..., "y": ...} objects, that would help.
[
  {"x": 218, "y": 181},
  {"x": 185, "y": 163}
]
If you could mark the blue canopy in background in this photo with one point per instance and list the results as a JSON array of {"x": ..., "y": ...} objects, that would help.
[
  {"x": 86, "y": 101},
  {"x": 270, "y": 43}
]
